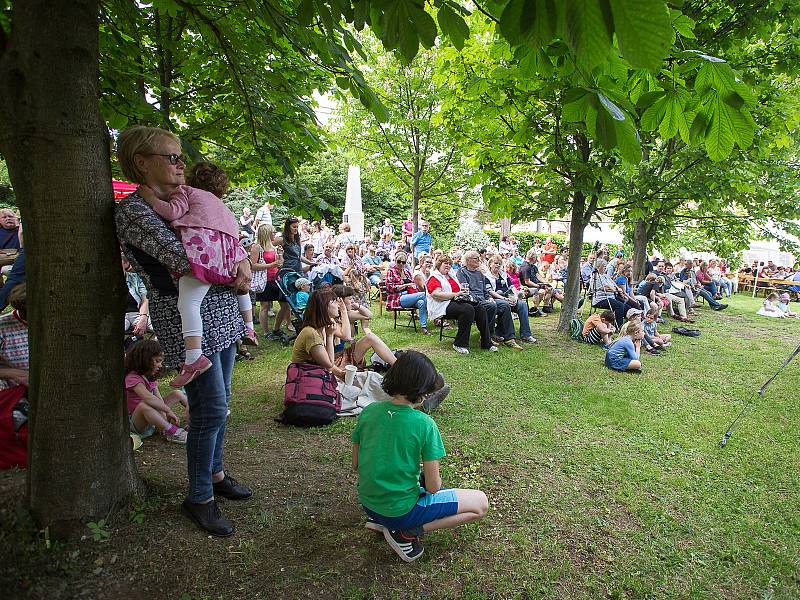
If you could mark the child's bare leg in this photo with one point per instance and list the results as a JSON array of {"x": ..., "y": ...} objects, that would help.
[
  {"x": 145, "y": 415},
  {"x": 634, "y": 364},
  {"x": 472, "y": 505},
  {"x": 180, "y": 398}
]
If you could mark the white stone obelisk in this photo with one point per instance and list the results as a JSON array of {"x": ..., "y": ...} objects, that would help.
[{"x": 353, "y": 212}]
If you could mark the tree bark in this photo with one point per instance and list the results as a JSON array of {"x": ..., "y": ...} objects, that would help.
[
  {"x": 572, "y": 288},
  {"x": 57, "y": 149},
  {"x": 640, "y": 240}
]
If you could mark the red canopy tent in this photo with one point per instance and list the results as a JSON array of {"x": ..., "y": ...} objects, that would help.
[{"x": 122, "y": 188}]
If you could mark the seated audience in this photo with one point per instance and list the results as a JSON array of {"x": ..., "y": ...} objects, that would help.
[
  {"x": 499, "y": 288},
  {"x": 651, "y": 329},
  {"x": 9, "y": 229},
  {"x": 472, "y": 278},
  {"x": 445, "y": 300},
  {"x": 137, "y": 316},
  {"x": 603, "y": 291},
  {"x": 372, "y": 265},
  {"x": 14, "y": 348},
  {"x": 403, "y": 292}
]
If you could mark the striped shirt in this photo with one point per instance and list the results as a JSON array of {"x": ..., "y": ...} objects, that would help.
[{"x": 13, "y": 345}]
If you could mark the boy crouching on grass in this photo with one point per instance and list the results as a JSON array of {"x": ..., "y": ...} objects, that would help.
[{"x": 389, "y": 441}]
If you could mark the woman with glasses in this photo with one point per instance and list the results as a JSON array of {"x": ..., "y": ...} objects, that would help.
[
  {"x": 403, "y": 292},
  {"x": 152, "y": 157}
]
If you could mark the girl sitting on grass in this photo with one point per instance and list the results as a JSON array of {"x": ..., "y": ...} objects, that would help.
[
  {"x": 389, "y": 441},
  {"x": 623, "y": 355},
  {"x": 147, "y": 410},
  {"x": 770, "y": 307}
]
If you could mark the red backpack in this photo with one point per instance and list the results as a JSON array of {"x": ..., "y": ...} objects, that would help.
[
  {"x": 311, "y": 397},
  {"x": 13, "y": 442}
]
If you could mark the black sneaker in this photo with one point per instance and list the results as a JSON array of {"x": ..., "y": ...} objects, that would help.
[
  {"x": 407, "y": 547},
  {"x": 231, "y": 489},
  {"x": 208, "y": 517},
  {"x": 547, "y": 309},
  {"x": 720, "y": 307},
  {"x": 432, "y": 401},
  {"x": 536, "y": 313}
]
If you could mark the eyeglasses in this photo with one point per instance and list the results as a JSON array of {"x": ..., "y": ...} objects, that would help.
[{"x": 173, "y": 158}]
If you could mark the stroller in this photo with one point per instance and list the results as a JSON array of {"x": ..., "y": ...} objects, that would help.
[{"x": 286, "y": 284}]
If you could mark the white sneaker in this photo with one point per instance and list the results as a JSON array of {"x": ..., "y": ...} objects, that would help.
[
  {"x": 460, "y": 349},
  {"x": 493, "y": 349},
  {"x": 178, "y": 437}
]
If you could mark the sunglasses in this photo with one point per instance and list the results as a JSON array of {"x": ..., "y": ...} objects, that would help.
[
  {"x": 173, "y": 158},
  {"x": 400, "y": 262}
]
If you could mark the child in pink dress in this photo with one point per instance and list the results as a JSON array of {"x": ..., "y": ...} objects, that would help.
[{"x": 209, "y": 233}]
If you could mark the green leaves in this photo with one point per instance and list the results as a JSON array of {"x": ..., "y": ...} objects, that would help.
[
  {"x": 589, "y": 30},
  {"x": 453, "y": 26},
  {"x": 644, "y": 31}
]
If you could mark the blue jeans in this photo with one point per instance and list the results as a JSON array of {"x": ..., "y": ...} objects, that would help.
[
  {"x": 208, "y": 398},
  {"x": 709, "y": 298},
  {"x": 521, "y": 308},
  {"x": 374, "y": 279},
  {"x": 417, "y": 301}
]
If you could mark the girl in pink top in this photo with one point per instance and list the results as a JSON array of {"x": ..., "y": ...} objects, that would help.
[
  {"x": 147, "y": 410},
  {"x": 209, "y": 233}
]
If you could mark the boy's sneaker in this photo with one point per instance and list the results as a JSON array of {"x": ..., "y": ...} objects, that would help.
[
  {"x": 433, "y": 400},
  {"x": 178, "y": 436},
  {"x": 407, "y": 547},
  {"x": 250, "y": 338},
  {"x": 529, "y": 340},
  {"x": 373, "y": 525},
  {"x": 188, "y": 372},
  {"x": 460, "y": 349}
]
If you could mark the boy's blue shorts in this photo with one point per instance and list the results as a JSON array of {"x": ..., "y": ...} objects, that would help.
[{"x": 429, "y": 507}]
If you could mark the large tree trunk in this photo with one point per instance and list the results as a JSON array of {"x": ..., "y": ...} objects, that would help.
[
  {"x": 640, "y": 240},
  {"x": 57, "y": 149},
  {"x": 572, "y": 289}
]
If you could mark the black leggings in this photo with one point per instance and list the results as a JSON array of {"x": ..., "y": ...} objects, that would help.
[{"x": 466, "y": 315}]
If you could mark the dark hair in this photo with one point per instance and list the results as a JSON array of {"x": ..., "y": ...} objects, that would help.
[
  {"x": 307, "y": 246},
  {"x": 608, "y": 316},
  {"x": 412, "y": 376},
  {"x": 287, "y": 230},
  {"x": 343, "y": 291},
  {"x": 209, "y": 177},
  {"x": 18, "y": 299},
  {"x": 139, "y": 358},
  {"x": 668, "y": 264},
  {"x": 316, "y": 313}
]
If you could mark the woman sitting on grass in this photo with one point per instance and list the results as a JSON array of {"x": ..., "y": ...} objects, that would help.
[
  {"x": 314, "y": 344},
  {"x": 623, "y": 355},
  {"x": 389, "y": 442}
]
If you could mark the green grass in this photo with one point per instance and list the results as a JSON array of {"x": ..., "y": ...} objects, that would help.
[{"x": 600, "y": 484}]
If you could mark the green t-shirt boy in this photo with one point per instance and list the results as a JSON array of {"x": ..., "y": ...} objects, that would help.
[{"x": 392, "y": 438}]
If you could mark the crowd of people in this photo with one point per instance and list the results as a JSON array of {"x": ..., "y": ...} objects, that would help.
[{"x": 197, "y": 275}]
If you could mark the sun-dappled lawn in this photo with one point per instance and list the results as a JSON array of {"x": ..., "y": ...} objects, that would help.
[{"x": 600, "y": 484}]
